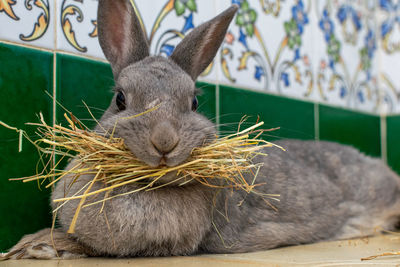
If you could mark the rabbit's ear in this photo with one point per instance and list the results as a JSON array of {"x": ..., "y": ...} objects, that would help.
[
  {"x": 198, "y": 48},
  {"x": 120, "y": 34}
]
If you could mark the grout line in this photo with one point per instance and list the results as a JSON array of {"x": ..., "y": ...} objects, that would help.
[
  {"x": 217, "y": 74},
  {"x": 384, "y": 138},
  {"x": 217, "y": 107},
  {"x": 27, "y": 45},
  {"x": 82, "y": 56},
  {"x": 379, "y": 56},
  {"x": 43, "y": 49},
  {"x": 54, "y": 77},
  {"x": 54, "y": 51},
  {"x": 54, "y": 62},
  {"x": 54, "y": 106},
  {"x": 54, "y": 86},
  {"x": 316, "y": 121},
  {"x": 55, "y": 25}
]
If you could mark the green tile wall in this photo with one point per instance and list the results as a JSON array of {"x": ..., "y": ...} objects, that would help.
[
  {"x": 26, "y": 73},
  {"x": 24, "y": 76},
  {"x": 353, "y": 128},
  {"x": 78, "y": 80},
  {"x": 393, "y": 141},
  {"x": 207, "y": 100},
  {"x": 295, "y": 118}
]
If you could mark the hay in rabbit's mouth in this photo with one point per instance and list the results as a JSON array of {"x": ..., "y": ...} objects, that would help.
[{"x": 220, "y": 164}]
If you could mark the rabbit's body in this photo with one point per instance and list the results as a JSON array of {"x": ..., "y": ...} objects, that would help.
[
  {"x": 166, "y": 221},
  {"x": 327, "y": 191}
]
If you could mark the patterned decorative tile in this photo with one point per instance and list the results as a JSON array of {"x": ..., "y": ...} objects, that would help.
[
  {"x": 77, "y": 27},
  {"x": 294, "y": 117},
  {"x": 346, "y": 61},
  {"x": 165, "y": 21},
  {"x": 24, "y": 76},
  {"x": 28, "y": 22},
  {"x": 171, "y": 20},
  {"x": 269, "y": 47},
  {"x": 388, "y": 15},
  {"x": 350, "y": 127}
]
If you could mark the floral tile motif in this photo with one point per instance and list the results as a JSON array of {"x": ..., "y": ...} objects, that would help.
[
  {"x": 269, "y": 47},
  {"x": 346, "y": 54},
  {"x": 77, "y": 27},
  {"x": 165, "y": 25},
  {"x": 388, "y": 15},
  {"x": 168, "y": 25},
  {"x": 28, "y": 22}
]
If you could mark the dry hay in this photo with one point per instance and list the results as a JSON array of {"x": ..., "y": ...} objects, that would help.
[{"x": 220, "y": 164}]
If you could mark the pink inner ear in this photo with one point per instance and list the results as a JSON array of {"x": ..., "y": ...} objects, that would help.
[
  {"x": 210, "y": 44},
  {"x": 117, "y": 34},
  {"x": 116, "y": 24}
]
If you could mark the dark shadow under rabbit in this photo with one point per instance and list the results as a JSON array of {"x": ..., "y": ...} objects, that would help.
[{"x": 327, "y": 191}]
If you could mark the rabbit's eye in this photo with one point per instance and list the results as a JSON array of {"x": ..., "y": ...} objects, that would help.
[
  {"x": 120, "y": 100},
  {"x": 195, "y": 104}
]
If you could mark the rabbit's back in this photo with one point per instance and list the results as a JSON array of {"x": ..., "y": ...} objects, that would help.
[
  {"x": 327, "y": 191},
  {"x": 327, "y": 167}
]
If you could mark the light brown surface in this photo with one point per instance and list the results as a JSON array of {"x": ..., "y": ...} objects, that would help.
[{"x": 339, "y": 253}]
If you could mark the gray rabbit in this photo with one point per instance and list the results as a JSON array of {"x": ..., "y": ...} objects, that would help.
[{"x": 327, "y": 191}]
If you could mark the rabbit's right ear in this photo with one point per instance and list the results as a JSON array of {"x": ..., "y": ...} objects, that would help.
[
  {"x": 198, "y": 48},
  {"x": 120, "y": 34}
]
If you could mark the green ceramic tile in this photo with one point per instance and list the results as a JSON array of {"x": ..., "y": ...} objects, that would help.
[
  {"x": 295, "y": 118},
  {"x": 207, "y": 100},
  {"x": 81, "y": 79},
  {"x": 393, "y": 142},
  {"x": 24, "y": 76},
  {"x": 348, "y": 127},
  {"x": 78, "y": 80}
]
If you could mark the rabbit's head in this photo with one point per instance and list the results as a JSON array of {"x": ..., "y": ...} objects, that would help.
[{"x": 168, "y": 134}]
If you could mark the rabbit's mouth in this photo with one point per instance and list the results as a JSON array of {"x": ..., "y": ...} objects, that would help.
[
  {"x": 153, "y": 158},
  {"x": 157, "y": 160}
]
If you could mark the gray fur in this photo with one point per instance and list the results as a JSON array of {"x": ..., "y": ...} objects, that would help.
[{"x": 328, "y": 191}]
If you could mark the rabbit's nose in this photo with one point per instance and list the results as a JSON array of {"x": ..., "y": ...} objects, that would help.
[{"x": 164, "y": 137}]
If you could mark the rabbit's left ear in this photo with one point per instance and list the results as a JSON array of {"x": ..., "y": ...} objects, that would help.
[
  {"x": 120, "y": 34},
  {"x": 199, "y": 47}
]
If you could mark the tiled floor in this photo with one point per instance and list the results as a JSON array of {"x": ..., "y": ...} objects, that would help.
[{"x": 339, "y": 253}]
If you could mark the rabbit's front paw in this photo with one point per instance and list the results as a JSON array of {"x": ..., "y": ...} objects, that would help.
[
  {"x": 44, "y": 245},
  {"x": 33, "y": 251}
]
